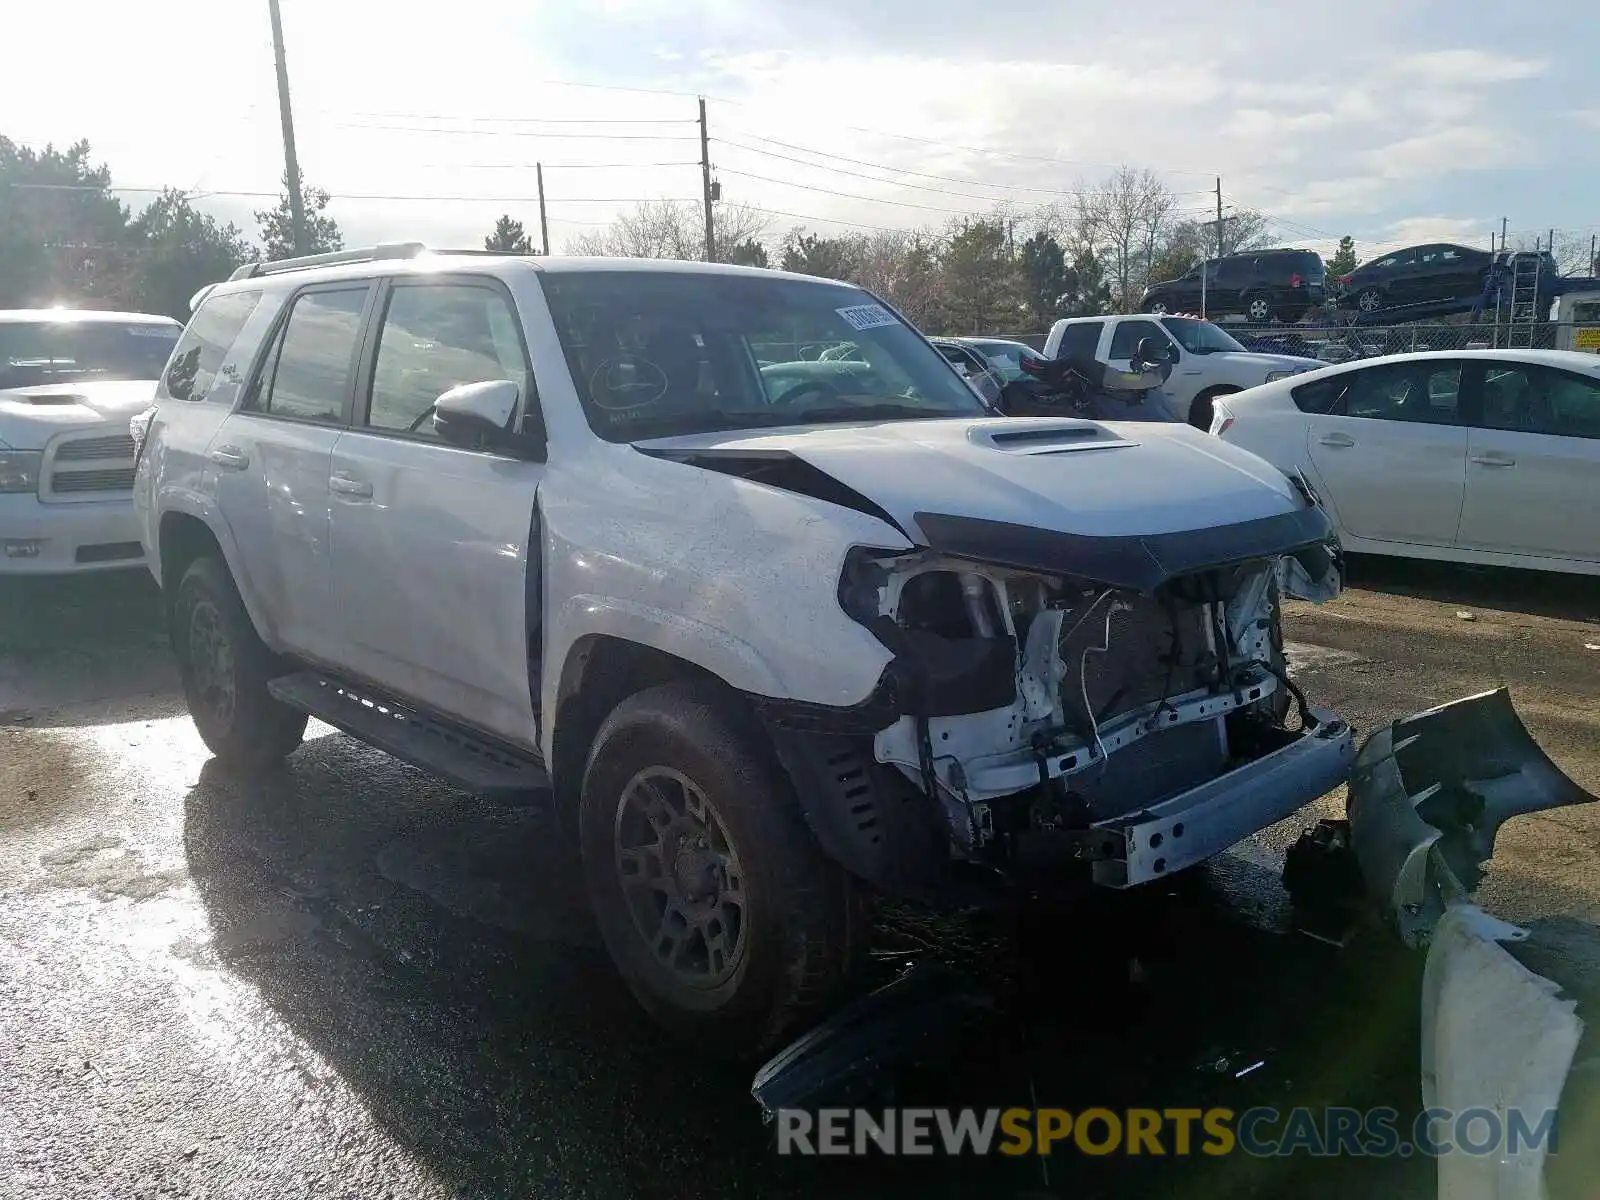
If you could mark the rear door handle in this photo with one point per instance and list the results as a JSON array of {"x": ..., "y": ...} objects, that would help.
[
  {"x": 347, "y": 485},
  {"x": 230, "y": 457},
  {"x": 1494, "y": 460},
  {"x": 1337, "y": 439}
]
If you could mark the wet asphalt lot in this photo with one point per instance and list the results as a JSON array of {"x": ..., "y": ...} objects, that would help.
[{"x": 349, "y": 980}]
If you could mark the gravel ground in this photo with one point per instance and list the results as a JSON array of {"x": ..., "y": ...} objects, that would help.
[{"x": 349, "y": 980}]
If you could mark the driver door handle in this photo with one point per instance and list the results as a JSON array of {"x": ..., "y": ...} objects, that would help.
[
  {"x": 1337, "y": 439},
  {"x": 348, "y": 485},
  {"x": 230, "y": 457},
  {"x": 1493, "y": 458}
]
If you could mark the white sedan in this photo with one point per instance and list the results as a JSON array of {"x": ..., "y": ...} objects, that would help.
[{"x": 1476, "y": 456}]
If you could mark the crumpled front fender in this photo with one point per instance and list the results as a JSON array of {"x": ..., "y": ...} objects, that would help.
[{"x": 1428, "y": 796}]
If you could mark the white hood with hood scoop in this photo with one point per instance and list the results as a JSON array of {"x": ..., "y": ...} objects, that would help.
[
  {"x": 31, "y": 416},
  {"x": 1101, "y": 479}
]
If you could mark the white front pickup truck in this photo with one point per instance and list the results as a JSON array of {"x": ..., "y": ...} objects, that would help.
[{"x": 1206, "y": 361}]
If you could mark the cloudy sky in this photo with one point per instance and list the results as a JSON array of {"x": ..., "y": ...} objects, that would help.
[{"x": 1392, "y": 120}]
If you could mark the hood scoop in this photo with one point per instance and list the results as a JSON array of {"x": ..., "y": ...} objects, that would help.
[
  {"x": 1061, "y": 438},
  {"x": 41, "y": 395}
]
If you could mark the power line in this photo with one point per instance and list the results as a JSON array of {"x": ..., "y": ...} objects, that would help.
[
  {"x": 79, "y": 187},
  {"x": 555, "y": 166},
  {"x": 944, "y": 145},
  {"x": 778, "y": 212},
  {"x": 521, "y": 133},
  {"x": 810, "y": 187},
  {"x": 896, "y": 183},
  {"x": 861, "y": 162},
  {"x": 392, "y": 116}
]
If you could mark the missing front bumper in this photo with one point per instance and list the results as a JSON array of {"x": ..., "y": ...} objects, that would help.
[
  {"x": 1199, "y": 824},
  {"x": 1429, "y": 793}
]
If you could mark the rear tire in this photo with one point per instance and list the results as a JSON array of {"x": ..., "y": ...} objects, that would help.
[
  {"x": 225, "y": 668},
  {"x": 1258, "y": 307},
  {"x": 1369, "y": 300},
  {"x": 716, "y": 904},
  {"x": 1157, "y": 307}
]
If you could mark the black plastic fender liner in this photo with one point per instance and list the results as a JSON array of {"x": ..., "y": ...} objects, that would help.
[
  {"x": 849, "y": 1059},
  {"x": 1137, "y": 562},
  {"x": 866, "y": 816}
]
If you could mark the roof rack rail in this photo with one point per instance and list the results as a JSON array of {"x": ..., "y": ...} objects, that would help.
[{"x": 305, "y": 262}]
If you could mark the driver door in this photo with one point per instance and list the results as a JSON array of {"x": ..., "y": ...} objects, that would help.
[{"x": 434, "y": 547}]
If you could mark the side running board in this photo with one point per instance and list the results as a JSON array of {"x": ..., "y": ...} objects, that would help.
[{"x": 471, "y": 761}]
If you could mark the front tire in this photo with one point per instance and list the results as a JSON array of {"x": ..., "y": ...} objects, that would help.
[
  {"x": 225, "y": 668},
  {"x": 1157, "y": 308},
  {"x": 713, "y": 898}
]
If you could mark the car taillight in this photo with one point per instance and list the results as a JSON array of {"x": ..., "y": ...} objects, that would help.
[
  {"x": 1221, "y": 420},
  {"x": 1295, "y": 281},
  {"x": 1343, "y": 279}
]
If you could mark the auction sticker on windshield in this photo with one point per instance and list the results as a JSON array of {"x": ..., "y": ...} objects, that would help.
[{"x": 866, "y": 316}]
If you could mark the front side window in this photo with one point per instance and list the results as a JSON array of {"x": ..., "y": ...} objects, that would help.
[
  {"x": 1531, "y": 399},
  {"x": 658, "y": 353},
  {"x": 1128, "y": 336},
  {"x": 1424, "y": 393},
  {"x": 308, "y": 376},
  {"x": 82, "y": 351},
  {"x": 436, "y": 337},
  {"x": 205, "y": 343}
]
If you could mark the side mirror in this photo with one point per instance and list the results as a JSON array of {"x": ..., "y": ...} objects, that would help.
[
  {"x": 478, "y": 417},
  {"x": 1152, "y": 350}
]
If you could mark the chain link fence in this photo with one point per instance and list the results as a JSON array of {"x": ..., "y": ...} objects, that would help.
[{"x": 1343, "y": 343}]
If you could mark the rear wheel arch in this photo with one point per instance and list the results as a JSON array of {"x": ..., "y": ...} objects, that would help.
[
  {"x": 1202, "y": 408},
  {"x": 181, "y": 538}
]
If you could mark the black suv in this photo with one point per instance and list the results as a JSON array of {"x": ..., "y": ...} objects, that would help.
[{"x": 1257, "y": 284}]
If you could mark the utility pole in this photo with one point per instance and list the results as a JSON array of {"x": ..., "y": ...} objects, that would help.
[
  {"x": 544, "y": 225},
  {"x": 1551, "y": 245},
  {"x": 1219, "y": 216},
  {"x": 1591, "y": 255},
  {"x": 1503, "y": 223},
  {"x": 705, "y": 182},
  {"x": 291, "y": 164}
]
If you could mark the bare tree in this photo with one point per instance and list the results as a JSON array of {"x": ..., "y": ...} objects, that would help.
[
  {"x": 1124, "y": 221},
  {"x": 672, "y": 229}
]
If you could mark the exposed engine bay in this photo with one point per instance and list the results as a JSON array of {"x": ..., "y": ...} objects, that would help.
[{"x": 1055, "y": 720}]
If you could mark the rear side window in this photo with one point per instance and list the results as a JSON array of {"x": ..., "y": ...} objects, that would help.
[
  {"x": 1308, "y": 265},
  {"x": 1532, "y": 399},
  {"x": 1321, "y": 396},
  {"x": 1420, "y": 393},
  {"x": 1080, "y": 341},
  {"x": 198, "y": 356},
  {"x": 308, "y": 375}
]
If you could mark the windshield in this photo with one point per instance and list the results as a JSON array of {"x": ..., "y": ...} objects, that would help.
[
  {"x": 1199, "y": 337},
  {"x": 41, "y": 352},
  {"x": 659, "y": 353}
]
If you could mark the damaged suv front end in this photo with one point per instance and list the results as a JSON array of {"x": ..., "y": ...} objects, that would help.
[{"x": 1067, "y": 701}]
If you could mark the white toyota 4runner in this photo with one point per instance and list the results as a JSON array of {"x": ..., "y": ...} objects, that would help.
[{"x": 771, "y": 634}]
